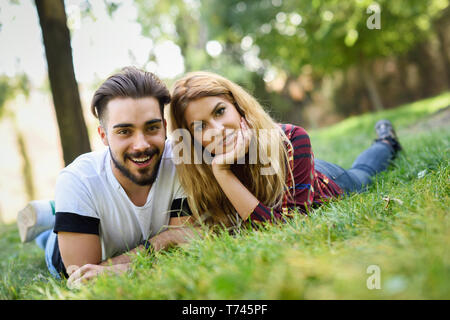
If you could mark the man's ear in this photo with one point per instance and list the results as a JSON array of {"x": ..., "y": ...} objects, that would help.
[
  {"x": 102, "y": 133},
  {"x": 165, "y": 127}
]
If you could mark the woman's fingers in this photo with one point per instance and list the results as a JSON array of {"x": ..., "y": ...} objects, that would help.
[
  {"x": 243, "y": 136},
  {"x": 242, "y": 144},
  {"x": 247, "y": 134}
]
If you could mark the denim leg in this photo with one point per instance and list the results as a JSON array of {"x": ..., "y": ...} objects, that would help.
[
  {"x": 49, "y": 248},
  {"x": 340, "y": 176},
  {"x": 370, "y": 162},
  {"x": 41, "y": 239}
]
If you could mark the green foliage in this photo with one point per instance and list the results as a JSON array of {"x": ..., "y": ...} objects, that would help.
[
  {"x": 111, "y": 6},
  {"x": 10, "y": 87},
  {"x": 324, "y": 256},
  {"x": 263, "y": 38},
  {"x": 327, "y": 34},
  {"x": 186, "y": 23}
]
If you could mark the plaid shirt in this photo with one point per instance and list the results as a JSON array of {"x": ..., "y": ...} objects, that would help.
[{"x": 310, "y": 188}]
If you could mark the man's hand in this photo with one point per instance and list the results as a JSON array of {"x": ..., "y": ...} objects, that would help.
[{"x": 78, "y": 276}]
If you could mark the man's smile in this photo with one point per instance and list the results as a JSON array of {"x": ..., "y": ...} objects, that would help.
[
  {"x": 142, "y": 159},
  {"x": 142, "y": 162}
]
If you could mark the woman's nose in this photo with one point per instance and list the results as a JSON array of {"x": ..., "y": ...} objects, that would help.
[
  {"x": 217, "y": 126},
  {"x": 214, "y": 129}
]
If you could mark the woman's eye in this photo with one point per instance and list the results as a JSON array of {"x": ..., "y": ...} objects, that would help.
[
  {"x": 220, "y": 111},
  {"x": 200, "y": 127},
  {"x": 153, "y": 128}
]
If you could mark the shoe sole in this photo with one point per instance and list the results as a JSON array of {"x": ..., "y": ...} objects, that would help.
[
  {"x": 392, "y": 134},
  {"x": 26, "y": 219}
]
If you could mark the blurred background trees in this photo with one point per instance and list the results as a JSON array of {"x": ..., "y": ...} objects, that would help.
[
  {"x": 309, "y": 62},
  {"x": 9, "y": 88},
  {"x": 312, "y": 62}
]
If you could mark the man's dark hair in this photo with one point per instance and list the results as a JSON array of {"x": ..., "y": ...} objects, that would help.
[{"x": 130, "y": 82}]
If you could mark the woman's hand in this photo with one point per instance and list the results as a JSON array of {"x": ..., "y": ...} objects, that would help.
[{"x": 241, "y": 146}]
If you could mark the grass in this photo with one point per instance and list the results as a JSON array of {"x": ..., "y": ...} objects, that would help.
[{"x": 324, "y": 256}]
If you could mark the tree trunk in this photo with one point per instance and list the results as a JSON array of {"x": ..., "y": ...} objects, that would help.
[
  {"x": 430, "y": 78},
  {"x": 371, "y": 86},
  {"x": 66, "y": 98},
  {"x": 442, "y": 29}
]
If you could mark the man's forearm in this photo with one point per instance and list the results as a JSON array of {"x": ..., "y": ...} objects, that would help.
[
  {"x": 162, "y": 241},
  {"x": 172, "y": 237},
  {"x": 123, "y": 258}
]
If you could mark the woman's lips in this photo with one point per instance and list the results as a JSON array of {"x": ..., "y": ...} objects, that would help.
[{"x": 227, "y": 141}]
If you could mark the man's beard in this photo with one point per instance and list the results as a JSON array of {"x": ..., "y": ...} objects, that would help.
[{"x": 145, "y": 180}]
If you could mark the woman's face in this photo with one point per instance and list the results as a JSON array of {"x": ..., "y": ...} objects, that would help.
[{"x": 214, "y": 122}]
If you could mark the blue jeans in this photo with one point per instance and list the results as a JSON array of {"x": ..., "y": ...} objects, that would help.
[
  {"x": 46, "y": 240},
  {"x": 356, "y": 179}
]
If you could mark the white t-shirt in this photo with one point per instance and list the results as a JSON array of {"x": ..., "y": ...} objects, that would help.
[{"x": 87, "y": 193}]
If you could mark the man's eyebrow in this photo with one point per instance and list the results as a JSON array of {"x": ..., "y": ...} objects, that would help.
[
  {"x": 214, "y": 110},
  {"x": 123, "y": 125},
  {"x": 127, "y": 125},
  {"x": 153, "y": 121}
]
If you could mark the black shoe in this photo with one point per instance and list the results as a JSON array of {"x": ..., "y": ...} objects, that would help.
[{"x": 385, "y": 131}]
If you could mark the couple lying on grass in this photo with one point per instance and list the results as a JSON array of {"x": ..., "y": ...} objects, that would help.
[{"x": 227, "y": 163}]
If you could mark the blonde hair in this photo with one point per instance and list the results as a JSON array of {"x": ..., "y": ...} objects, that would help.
[{"x": 205, "y": 197}]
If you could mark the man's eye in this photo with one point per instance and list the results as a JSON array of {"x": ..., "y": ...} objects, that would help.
[
  {"x": 123, "y": 131},
  {"x": 152, "y": 128}
]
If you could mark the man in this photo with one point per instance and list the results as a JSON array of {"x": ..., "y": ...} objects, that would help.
[{"x": 111, "y": 201}]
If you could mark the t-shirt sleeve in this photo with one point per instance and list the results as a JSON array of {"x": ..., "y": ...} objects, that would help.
[
  {"x": 302, "y": 187},
  {"x": 179, "y": 206},
  {"x": 74, "y": 206},
  {"x": 178, "y": 189}
]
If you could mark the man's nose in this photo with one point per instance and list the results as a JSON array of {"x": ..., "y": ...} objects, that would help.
[{"x": 140, "y": 142}]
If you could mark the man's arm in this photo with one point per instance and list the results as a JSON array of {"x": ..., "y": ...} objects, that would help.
[
  {"x": 78, "y": 249},
  {"x": 180, "y": 231},
  {"x": 82, "y": 249}
]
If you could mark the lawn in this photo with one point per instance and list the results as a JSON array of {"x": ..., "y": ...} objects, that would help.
[{"x": 339, "y": 252}]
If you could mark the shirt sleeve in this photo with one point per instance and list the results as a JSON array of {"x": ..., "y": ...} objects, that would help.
[
  {"x": 180, "y": 208},
  {"x": 302, "y": 187},
  {"x": 74, "y": 206}
]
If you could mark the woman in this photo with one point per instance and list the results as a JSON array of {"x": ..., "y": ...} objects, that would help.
[{"x": 231, "y": 127}]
